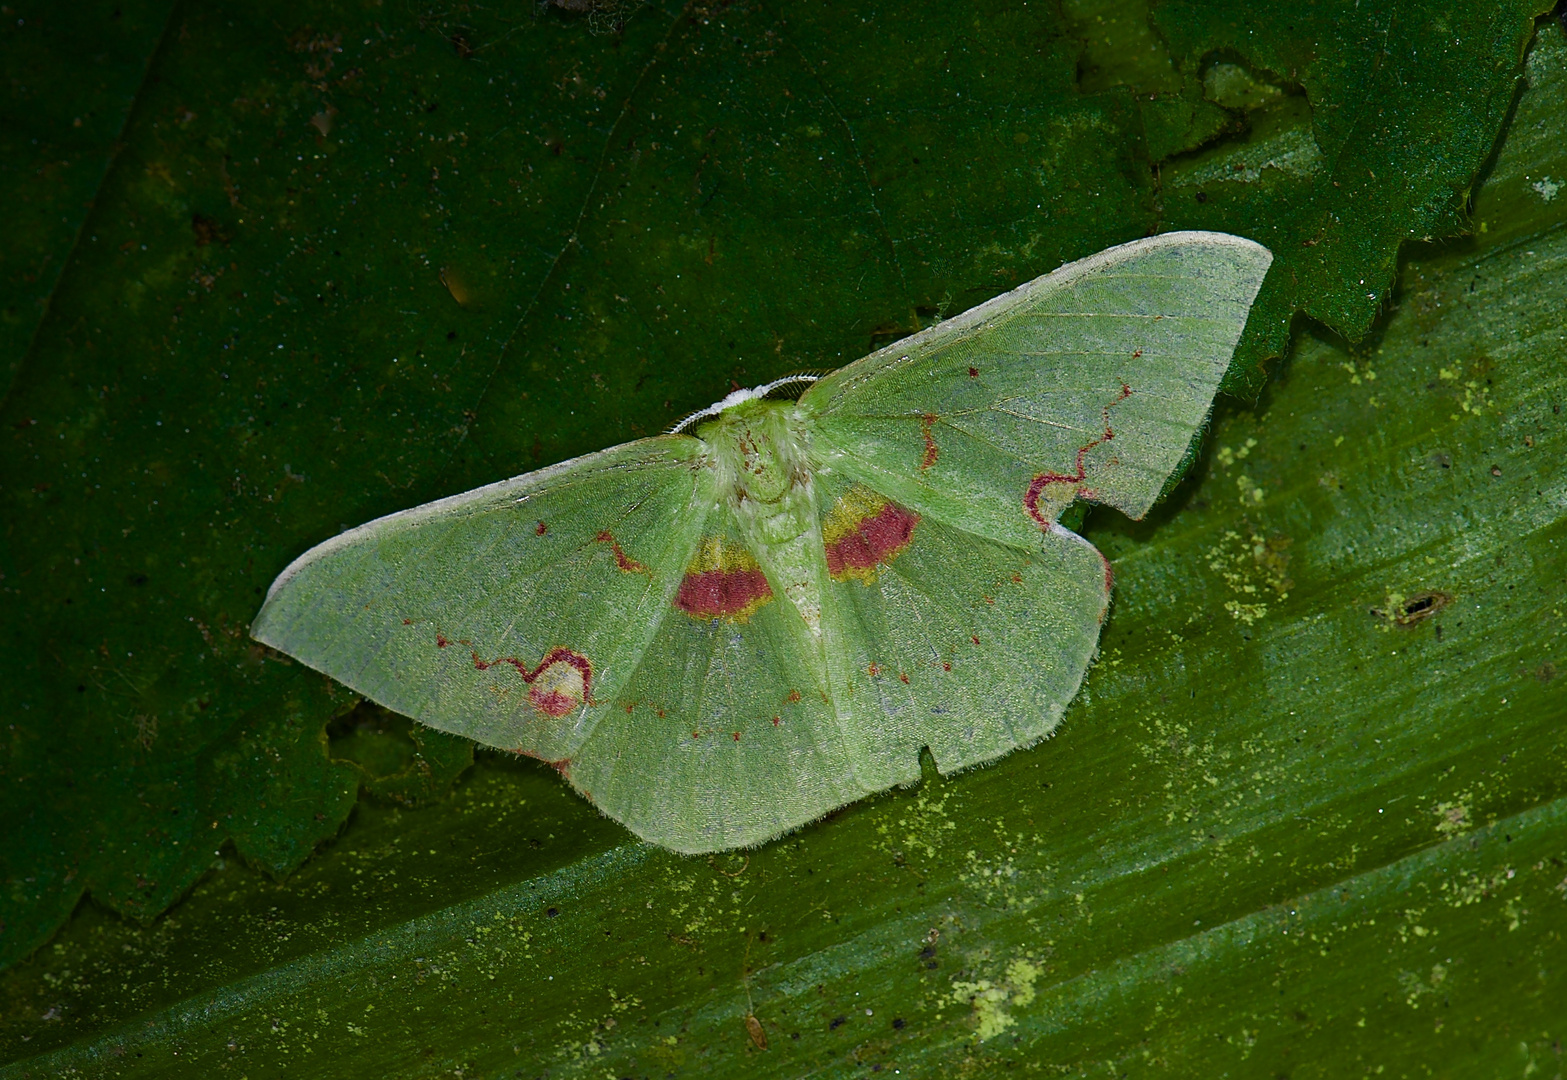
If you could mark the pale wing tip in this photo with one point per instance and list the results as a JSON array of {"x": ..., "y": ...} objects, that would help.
[
  {"x": 1221, "y": 239},
  {"x": 284, "y": 578},
  {"x": 1238, "y": 247},
  {"x": 271, "y": 626},
  {"x": 260, "y": 627},
  {"x": 264, "y": 628}
]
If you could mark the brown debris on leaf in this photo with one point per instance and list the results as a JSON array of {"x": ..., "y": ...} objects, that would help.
[
  {"x": 1412, "y": 610},
  {"x": 753, "y": 1028}
]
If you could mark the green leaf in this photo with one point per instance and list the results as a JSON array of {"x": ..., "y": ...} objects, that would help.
[
  {"x": 1334, "y": 102},
  {"x": 1180, "y": 789},
  {"x": 71, "y": 78}
]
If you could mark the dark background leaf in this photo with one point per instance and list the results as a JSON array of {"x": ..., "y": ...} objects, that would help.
[
  {"x": 72, "y": 74},
  {"x": 1415, "y": 94},
  {"x": 1194, "y": 872}
]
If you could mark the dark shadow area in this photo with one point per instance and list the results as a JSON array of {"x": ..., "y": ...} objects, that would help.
[
  {"x": 378, "y": 740},
  {"x": 400, "y": 761}
]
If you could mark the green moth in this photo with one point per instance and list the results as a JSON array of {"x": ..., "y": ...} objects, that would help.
[{"x": 722, "y": 633}]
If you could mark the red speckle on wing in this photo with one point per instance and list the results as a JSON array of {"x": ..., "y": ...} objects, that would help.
[
  {"x": 777, "y": 720},
  {"x": 945, "y": 666},
  {"x": 975, "y": 640},
  {"x": 696, "y": 734},
  {"x": 903, "y": 677},
  {"x": 1044, "y": 480},
  {"x": 973, "y": 372},
  {"x": 875, "y": 540},
  {"x": 794, "y": 696},
  {"x": 1136, "y": 354},
  {"x": 873, "y": 670},
  {"x": 540, "y": 529},
  {"x": 926, "y": 423},
  {"x": 709, "y": 594},
  {"x": 553, "y": 703},
  {"x": 440, "y": 641},
  {"x": 629, "y": 708},
  {"x": 408, "y": 622},
  {"x": 560, "y": 684},
  {"x": 737, "y": 736},
  {"x": 622, "y": 560}
]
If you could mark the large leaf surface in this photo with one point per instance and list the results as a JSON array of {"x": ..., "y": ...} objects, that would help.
[
  {"x": 1279, "y": 833},
  {"x": 72, "y": 75}
]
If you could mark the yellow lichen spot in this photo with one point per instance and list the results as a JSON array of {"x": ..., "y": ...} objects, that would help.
[
  {"x": 1474, "y": 400},
  {"x": 1251, "y": 494},
  {"x": 1248, "y": 566},
  {"x": 1246, "y": 613},
  {"x": 990, "y": 1001},
  {"x": 1452, "y": 817},
  {"x": 1021, "y": 974},
  {"x": 922, "y": 829},
  {"x": 1393, "y": 604},
  {"x": 1470, "y": 888}
]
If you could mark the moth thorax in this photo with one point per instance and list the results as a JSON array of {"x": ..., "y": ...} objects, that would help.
[
  {"x": 782, "y": 520},
  {"x": 759, "y": 445}
]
